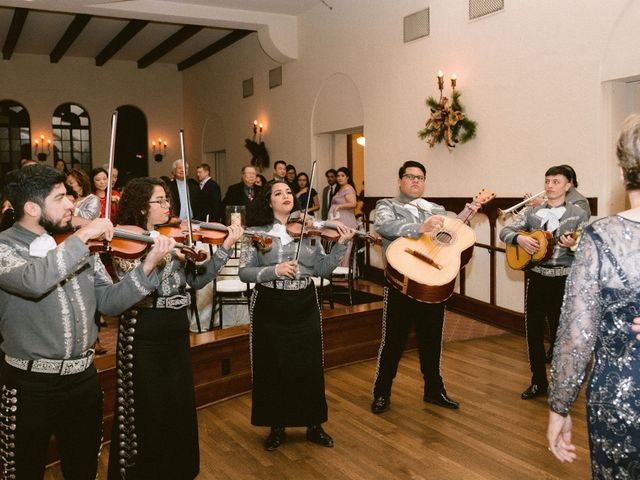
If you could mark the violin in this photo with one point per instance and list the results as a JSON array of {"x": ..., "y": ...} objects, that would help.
[
  {"x": 325, "y": 230},
  {"x": 130, "y": 241},
  {"x": 211, "y": 233}
]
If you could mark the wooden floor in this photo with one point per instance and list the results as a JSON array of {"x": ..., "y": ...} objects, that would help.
[{"x": 494, "y": 435}]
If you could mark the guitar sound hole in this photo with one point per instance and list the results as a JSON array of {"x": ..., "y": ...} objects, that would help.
[{"x": 444, "y": 237}]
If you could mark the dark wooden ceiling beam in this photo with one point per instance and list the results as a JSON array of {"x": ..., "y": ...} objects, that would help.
[
  {"x": 120, "y": 40},
  {"x": 19, "y": 17},
  {"x": 214, "y": 48},
  {"x": 182, "y": 35},
  {"x": 73, "y": 31}
]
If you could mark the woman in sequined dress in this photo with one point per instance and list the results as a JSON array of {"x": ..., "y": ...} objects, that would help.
[
  {"x": 600, "y": 304},
  {"x": 286, "y": 328},
  {"x": 155, "y": 430}
]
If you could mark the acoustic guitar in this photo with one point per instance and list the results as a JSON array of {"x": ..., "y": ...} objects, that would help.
[
  {"x": 426, "y": 268},
  {"x": 519, "y": 259}
]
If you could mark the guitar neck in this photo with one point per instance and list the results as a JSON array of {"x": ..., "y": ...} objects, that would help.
[{"x": 466, "y": 214}]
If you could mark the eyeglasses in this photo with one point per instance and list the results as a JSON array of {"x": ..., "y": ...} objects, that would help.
[
  {"x": 162, "y": 202},
  {"x": 411, "y": 178}
]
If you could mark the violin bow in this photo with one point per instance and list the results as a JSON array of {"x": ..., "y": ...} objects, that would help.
[
  {"x": 304, "y": 216},
  {"x": 186, "y": 188},
  {"x": 112, "y": 152}
]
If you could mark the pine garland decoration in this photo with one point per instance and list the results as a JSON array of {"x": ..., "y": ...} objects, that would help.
[{"x": 447, "y": 122}]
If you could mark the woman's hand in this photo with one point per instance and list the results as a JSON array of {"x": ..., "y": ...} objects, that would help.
[
  {"x": 287, "y": 269},
  {"x": 346, "y": 233},
  {"x": 161, "y": 246},
  {"x": 234, "y": 234},
  {"x": 559, "y": 437}
]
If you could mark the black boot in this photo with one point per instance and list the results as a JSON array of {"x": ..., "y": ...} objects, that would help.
[
  {"x": 380, "y": 403},
  {"x": 440, "y": 398},
  {"x": 316, "y": 434},
  {"x": 275, "y": 438},
  {"x": 534, "y": 390}
]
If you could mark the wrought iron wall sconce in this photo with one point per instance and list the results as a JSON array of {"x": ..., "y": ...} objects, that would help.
[
  {"x": 159, "y": 149},
  {"x": 40, "y": 145},
  {"x": 257, "y": 129}
]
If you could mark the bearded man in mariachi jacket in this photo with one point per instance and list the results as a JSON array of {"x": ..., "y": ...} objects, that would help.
[
  {"x": 48, "y": 297},
  {"x": 408, "y": 215}
]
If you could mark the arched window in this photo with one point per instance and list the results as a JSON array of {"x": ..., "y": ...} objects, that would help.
[
  {"x": 72, "y": 136},
  {"x": 15, "y": 135}
]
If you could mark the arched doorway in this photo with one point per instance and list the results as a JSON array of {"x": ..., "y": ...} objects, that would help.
[{"x": 131, "y": 155}]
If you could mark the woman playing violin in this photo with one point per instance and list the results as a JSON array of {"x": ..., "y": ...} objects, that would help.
[
  {"x": 155, "y": 434},
  {"x": 286, "y": 338}
]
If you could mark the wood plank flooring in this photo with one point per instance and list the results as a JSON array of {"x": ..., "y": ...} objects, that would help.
[{"x": 494, "y": 435}]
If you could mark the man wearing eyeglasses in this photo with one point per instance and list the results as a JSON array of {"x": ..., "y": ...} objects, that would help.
[{"x": 409, "y": 215}]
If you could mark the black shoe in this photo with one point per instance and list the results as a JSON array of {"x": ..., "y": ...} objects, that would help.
[
  {"x": 316, "y": 434},
  {"x": 441, "y": 400},
  {"x": 275, "y": 438},
  {"x": 533, "y": 391},
  {"x": 380, "y": 404}
]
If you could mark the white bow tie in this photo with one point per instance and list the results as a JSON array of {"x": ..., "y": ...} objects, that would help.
[
  {"x": 280, "y": 231},
  {"x": 42, "y": 245},
  {"x": 551, "y": 217},
  {"x": 417, "y": 205}
]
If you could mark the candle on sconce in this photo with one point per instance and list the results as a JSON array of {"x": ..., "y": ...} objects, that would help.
[
  {"x": 260, "y": 126},
  {"x": 454, "y": 78},
  {"x": 49, "y": 145},
  {"x": 440, "y": 80}
]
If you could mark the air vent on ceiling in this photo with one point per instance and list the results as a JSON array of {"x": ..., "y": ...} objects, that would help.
[
  {"x": 480, "y": 8},
  {"x": 247, "y": 87},
  {"x": 275, "y": 77},
  {"x": 416, "y": 25}
]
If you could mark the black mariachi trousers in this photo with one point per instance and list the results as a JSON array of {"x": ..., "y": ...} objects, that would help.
[
  {"x": 543, "y": 300},
  {"x": 400, "y": 313},
  {"x": 35, "y": 406}
]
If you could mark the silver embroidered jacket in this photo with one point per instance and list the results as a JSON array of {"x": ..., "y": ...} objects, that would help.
[
  {"x": 47, "y": 305},
  {"x": 584, "y": 307},
  {"x": 574, "y": 218},
  {"x": 260, "y": 267},
  {"x": 173, "y": 276},
  {"x": 394, "y": 220}
]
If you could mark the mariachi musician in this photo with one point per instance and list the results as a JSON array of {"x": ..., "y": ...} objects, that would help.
[
  {"x": 545, "y": 281},
  {"x": 408, "y": 215}
]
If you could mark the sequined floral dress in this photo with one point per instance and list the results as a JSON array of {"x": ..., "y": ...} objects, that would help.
[{"x": 602, "y": 298}]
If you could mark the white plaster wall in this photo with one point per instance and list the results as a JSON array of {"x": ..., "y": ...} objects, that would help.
[
  {"x": 531, "y": 76},
  {"x": 41, "y": 86}
]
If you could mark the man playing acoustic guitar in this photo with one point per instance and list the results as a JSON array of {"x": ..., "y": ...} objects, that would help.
[
  {"x": 545, "y": 281},
  {"x": 408, "y": 215}
]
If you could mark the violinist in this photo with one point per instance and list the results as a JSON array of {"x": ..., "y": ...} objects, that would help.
[
  {"x": 286, "y": 340},
  {"x": 48, "y": 296},
  {"x": 156, "y": 434},
  {"x": 409, "y": 215}
]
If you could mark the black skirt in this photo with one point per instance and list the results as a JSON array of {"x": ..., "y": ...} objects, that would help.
[
  {"x": 155, "y": 429},
  {"x": 287, "y": 358}
]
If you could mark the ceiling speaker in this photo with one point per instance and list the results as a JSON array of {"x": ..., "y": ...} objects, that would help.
[{"x": 416, "y": 25}]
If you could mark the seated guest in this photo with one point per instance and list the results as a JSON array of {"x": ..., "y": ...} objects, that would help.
[
  {"x": 87, "y": 204},
  {"x": 244, "y": 192}
]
